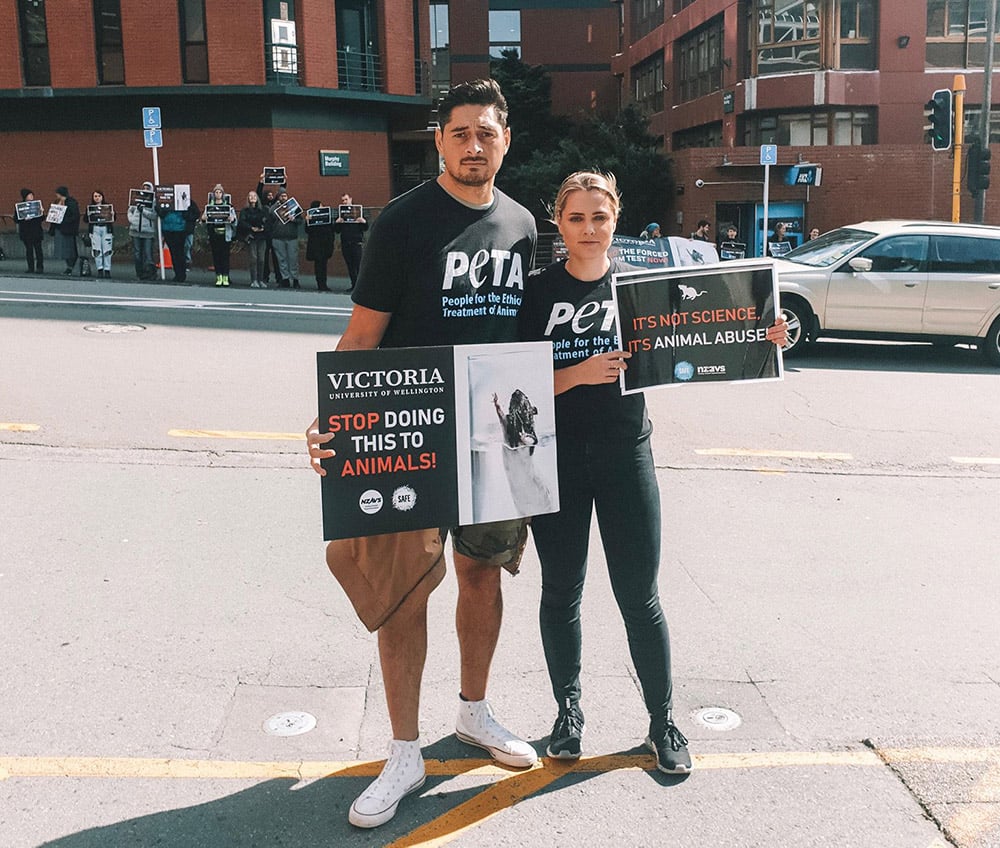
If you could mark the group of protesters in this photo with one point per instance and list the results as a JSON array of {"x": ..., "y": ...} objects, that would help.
[{"x": 268, "y": 227}]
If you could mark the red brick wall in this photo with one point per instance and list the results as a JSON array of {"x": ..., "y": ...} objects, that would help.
[
  {"x": 151, "y": 38},
  {"x": 235, "y": 32},
  {"x": 470, "y": 36},
  {"x": 316, "y": 23},
  {"x": 396, "y": 37},
  {"x": 72, "y": 53},
  {"x": 10, "y": 46}
]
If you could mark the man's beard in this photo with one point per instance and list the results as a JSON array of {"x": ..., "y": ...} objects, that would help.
[{"x": 473, "y": 179}]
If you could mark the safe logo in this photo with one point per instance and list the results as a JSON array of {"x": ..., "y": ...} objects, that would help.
[
  {"x": 370, "y": 501},
  {"x": 684, "y": 371},
  {"x": 404, "y": 499}
]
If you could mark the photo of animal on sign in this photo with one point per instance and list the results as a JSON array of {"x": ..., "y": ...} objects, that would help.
[
  {"x": 436, "y": 436},
  {"x": 696, "y": 325}
]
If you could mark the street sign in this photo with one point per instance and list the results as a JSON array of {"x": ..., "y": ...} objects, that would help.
[
  {"x": 769, "y": 154},
  {"x": 153, "y": 138},
  {"x": 151, "y": 118}
]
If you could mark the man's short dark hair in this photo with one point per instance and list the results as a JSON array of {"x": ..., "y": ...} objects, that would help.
[
  {"x": 703, "y": 223},
  {"x": 479, "y": 92}
]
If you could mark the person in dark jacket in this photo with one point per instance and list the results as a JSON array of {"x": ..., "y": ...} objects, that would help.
[
  {"x": 352, "y": 236},
  {"x": 268, "y": 194},
  {"x": 30, "y": 232},
  {"x": 66, "y": 231},
  {"x": 252, "y": 228},
  {"x": 319, "y": 247},
  {"x": 285, "y": 242},
  {"x": 174, "y": 224}
]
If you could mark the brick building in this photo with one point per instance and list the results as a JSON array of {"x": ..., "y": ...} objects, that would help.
[
  {"x": 240, "y": 85},
  {"x": 837, "y": 83}
]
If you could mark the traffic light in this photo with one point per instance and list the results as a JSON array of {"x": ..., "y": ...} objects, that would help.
[
  {"x": 940, "y": 119},
  {"x": 979, "y": 167}
]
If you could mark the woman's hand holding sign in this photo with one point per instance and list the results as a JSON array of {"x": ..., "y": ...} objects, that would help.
[
  {"x": 595, "y": 370},
  {"x": 314, "y": 442}
]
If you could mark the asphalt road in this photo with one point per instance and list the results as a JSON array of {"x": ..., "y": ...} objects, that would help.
[{"x": 830, "y": 577}]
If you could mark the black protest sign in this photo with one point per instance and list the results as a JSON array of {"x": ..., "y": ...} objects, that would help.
[{"x": 687, "y": 325}]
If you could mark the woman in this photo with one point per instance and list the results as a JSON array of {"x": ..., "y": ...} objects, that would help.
[
  {"x": 605, "y": 462},
  {"x": 252, "y": 228},
  {"x": 29, "y": 230},
  {"x": 220, "y": 232},
  {"x": 101, "y": 237},
  {"x": 66, "y": 230},
  {"x": 780, "y": 243},
  {"x": 319, "y": 247}
]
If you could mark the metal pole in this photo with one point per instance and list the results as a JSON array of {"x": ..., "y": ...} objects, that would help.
[
  {"x": 956, "y": 175},
  {"x": 159, "y": 233},
  {"x": 767, "y": 186},
  {"x": 979, "y": 200}
]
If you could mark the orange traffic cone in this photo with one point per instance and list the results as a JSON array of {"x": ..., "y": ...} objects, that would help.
[{"x": 168, "y": 263}]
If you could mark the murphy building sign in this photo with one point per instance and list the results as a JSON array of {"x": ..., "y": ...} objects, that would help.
[{"x": 334, "y": 163}]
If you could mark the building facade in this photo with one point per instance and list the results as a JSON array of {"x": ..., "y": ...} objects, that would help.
[
  {"x": 337, "y": 93},
  {"x": 840, "y": 84}
]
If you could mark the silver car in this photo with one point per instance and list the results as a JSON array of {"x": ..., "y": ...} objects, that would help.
[{"x": 904, "y": 280}]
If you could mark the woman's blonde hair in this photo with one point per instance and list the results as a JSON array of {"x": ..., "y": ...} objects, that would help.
[{"x": 588, "y": 181}]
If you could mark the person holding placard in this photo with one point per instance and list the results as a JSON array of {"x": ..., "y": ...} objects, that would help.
[
  {"x": 29, "y": 231},
  {"x": 351, "y": 226},
  {"x": 252, "y": 228},
  {"x": 411, "y": 275},
  {"x": 101, "y": 235},
  {"x": 285, "y": 240},
  {"x": 142, "y": 230},
  {"x": 319, "y": 244},
  {"x": 605, "y": 465},
  {"x": 219, "y": 218},
  {"x": 64, "y": 227}
]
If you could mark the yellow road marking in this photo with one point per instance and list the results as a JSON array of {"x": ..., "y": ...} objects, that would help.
[
  {"x": 977, "y": 460},
  {"x": 237, "y": 434},
  {"x": 774, "y": 454},
  {"x": 15, "y": 427}
]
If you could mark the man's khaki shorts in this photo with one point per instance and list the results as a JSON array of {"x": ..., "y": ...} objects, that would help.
[{"x": 497, "y": 543}]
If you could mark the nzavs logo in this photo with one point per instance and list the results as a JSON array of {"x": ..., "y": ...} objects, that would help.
[
  {"x": 370, "y": 501},
  {"x": 684, "y": 371}
]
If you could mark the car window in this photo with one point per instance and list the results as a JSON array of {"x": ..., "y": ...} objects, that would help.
[
  {"x": 829, "y": 248},
  {"x": 965, "y": 255},
  {"x": 898, "y": 254}
]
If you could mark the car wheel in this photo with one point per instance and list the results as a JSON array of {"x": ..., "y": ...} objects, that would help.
[
  {"x": 800, "y": 319},
  {"x": 990, "y": 346}
]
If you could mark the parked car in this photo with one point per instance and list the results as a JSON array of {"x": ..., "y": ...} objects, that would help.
[{"x": 903, "y": 280}]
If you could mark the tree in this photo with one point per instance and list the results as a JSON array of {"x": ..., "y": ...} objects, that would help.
[{"x": 546, "y": 148}]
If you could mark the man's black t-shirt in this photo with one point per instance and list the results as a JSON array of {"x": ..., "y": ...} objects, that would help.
[
  {"x": 579, "y": 319},
  {"x": 448, "y": 274}
]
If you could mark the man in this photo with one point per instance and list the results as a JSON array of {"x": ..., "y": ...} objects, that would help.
[
  {"x": 701, "y": 232},
  {"x": 445, "y": 239},
  {"x": 66, "y": 230},
  {"x": 142, "y": 230},
  {"x": 651, "y": 232},
  {"x": 285, "y": 244},
  {"x": 352, "y": 235},
  {"x": 730, "y": 247}
]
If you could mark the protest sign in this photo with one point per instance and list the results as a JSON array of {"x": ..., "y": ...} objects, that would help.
[
  {"x": 693, "y": 325},
  {"x": 57, "y": 211},
  {"x": 140, "y": 198},
  {"x": 349, "y": 212},
  {"x": 287, "y": 210},
  {"x": 100, "y": 213},
  {"x": 28, "y": 209},
  {"x": 318, "y": 215},
  {"x": 436, "y": 436},
  {"x": 274, "y": 175}
]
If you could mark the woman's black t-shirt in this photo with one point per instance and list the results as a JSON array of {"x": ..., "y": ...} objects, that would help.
[{"x": 579, "y": 319}]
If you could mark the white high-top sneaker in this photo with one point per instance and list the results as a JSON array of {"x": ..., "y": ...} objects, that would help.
[
  {"x": 402, "y": 774},
  {"x": 477, "y": 726}
]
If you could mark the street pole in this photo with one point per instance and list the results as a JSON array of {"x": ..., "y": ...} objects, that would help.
[
  {"x": 159, "y": 233},
  {"x": 767, "y": 186},
  {"x": 956, "y": 175},
  {"x": 979, "y": 200}
]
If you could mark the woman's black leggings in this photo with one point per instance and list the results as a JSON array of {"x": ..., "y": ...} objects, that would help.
[{"x": 620, "y": 481}]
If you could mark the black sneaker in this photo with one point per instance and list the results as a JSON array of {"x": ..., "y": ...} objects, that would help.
[
  {"x": 670, "y": 747},
  {"x": 567, "y": 732}
]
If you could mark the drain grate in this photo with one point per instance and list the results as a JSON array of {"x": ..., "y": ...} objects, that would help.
[
  {"x": 293, "y": 723},
  {"x": 718, "y": 718}
]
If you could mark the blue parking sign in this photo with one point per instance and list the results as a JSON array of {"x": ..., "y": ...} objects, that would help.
[
  {"x": 151, "y": 119},
  {"x": 769, "y": 154},
  {"x": 153, "y": 138}
]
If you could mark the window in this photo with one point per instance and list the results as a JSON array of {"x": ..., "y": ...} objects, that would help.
[
  {"x": 840, "y": 127},
  {"x": 108, "y": 35},
  {"x": 194, "y": 40},
  {"x": 359, "y": 64},
  {"x": 647, "y": 79},
  {"x": 964, "y": 255},
  {"x": 807, "y": 35},
  {"x": 440, "y": 50},
  {"x": 34, "y": 42},
  {"x": 709, "y": 135},
  {"x": 898, "y": 254},
  {"x": 700, "y": 61},
  {"x": 956, "y": 33},
  {"x": 505, "y": 33},
  {"x": 647, "y": 15}
]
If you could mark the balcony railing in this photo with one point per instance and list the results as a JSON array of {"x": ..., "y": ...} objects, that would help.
[
  {"x": 282, "y": 63},
  {"x": 359, "y": 71}
]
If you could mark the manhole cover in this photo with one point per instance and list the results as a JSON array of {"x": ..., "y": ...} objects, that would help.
[
  {"x": 718, "y": 718},
  {"x": 289, "y": 724},
  {"x": 108, "y": 329}
]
